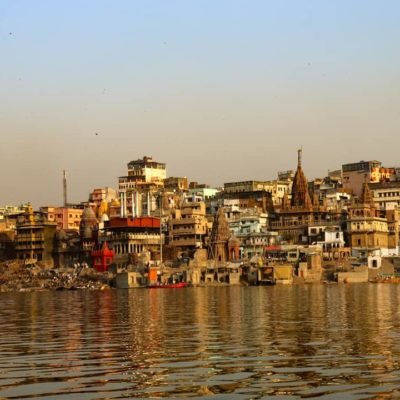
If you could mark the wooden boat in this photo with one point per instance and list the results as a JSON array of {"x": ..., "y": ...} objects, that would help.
[{"x": 177, "y": 285}]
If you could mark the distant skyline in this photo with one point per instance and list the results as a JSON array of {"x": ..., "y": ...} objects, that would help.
[{"x": 218, "y": 90}]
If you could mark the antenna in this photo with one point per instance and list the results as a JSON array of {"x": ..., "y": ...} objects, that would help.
[{"x": 65, "y": 188}]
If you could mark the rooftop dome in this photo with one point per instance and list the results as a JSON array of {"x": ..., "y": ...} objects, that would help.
[{"x": 88, "y": 214}]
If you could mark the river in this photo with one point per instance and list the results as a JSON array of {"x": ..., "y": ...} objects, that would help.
[{"x": 322, "y": 341}]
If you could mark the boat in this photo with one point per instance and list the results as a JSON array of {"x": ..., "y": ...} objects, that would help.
[{"x": 177, "y": 285}]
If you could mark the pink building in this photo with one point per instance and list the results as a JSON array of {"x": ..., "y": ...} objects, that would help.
[{"x": 66, "y": 218}]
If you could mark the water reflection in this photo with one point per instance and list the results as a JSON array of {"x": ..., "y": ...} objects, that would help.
[{"x": 326, "y": 341}]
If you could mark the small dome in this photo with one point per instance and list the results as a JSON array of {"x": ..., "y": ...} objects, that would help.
[
  {"x": 233, "y": 241},
  {"x": 88, "y": 214}
]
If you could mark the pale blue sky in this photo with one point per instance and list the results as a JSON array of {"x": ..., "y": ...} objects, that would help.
[{"x": 218, "y": 90}]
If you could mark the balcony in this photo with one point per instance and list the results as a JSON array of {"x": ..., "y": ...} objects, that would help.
[
  {"x": 27, "y": 237},
  {"x": 28, "y": 247},
  {"x": 289, "y": 224},
  {"x": 188, "y": 231},
  {"x": 183, "y": 221},
  {"x": 130, "y": 236},
  {"x": 188, "y": 242}
]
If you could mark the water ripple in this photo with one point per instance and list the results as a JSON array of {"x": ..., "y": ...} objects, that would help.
[{"x": 314, "y": 341}]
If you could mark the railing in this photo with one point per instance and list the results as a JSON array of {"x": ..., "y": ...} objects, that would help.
[
  {"x": 29, "y": 237},
  {"x": 182, "y": 221},
  {"x": 29, "y": 247},
  {"x": 186, "y": 242},
  {"x": 189, "y": 231},
  {"x": 130, "y": 236}
]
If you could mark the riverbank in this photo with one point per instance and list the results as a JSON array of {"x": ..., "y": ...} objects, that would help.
[{"x": 17, "y": 276}]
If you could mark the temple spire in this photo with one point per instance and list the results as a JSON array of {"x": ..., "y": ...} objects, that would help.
[
  {"x": 300, "y": 196},
  {"x": 366, "y": 195},
  {"x": 299, "y": 156}
]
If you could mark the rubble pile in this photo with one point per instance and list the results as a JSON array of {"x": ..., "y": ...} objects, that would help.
[{"x": 17, "y": 276}]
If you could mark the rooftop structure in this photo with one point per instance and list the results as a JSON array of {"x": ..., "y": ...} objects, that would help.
[
  {"x": 356, "y": 174},
  {"x": 146, "y": 170},
  {"x": 361, "y": 166}
]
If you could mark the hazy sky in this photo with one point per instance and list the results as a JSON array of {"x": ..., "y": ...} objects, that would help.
[{"x": 219, "y": 90}]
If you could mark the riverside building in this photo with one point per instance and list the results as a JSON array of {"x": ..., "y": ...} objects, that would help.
[
  {"x": 139, "y": 190},
  {"x": 354, "y": 175},
  {"x": 296, "y": 215}
]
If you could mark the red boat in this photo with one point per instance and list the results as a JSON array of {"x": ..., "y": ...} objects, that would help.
[{"x": 178, "y": 285}]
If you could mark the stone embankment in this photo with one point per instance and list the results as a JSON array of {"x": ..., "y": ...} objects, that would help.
[{"x": 16, "y": 276}]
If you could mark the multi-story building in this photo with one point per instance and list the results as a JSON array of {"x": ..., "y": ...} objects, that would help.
[
  {"x": 245, "y": 186},
  {"x": 177, "y": 184},
  {"x": 67, "y": 250},
  {"x": 261, "y": 199},
  {"x": 354, "y": 175},
  {"x": 336, "y": 199},
  {"x": 131, "y": 237},
  {"x": 9, "y": 216},
  {"x": 250, "y": 227},
  {"x": 205, "y": 193},
  {"x": 296, "y": 215},
  {"x": 100, "y": 195},
  {"x": 393, "y": 221},
  {"x": 35, "y": 237},
  {"x": 396, "y": 176},
  {"x": 188, "y": 226},
  {"x": 277, "y": 188},
  {"x": 139, "y": 191},
  {"x": 66, "y": 218},
  {"x": 144, "y": 170},
  {"x": 386, "y": 194},
  {"x": 369, "y": 230},
  {"x": 331, "y": 241},
  {"x": 12, "y": 210}
]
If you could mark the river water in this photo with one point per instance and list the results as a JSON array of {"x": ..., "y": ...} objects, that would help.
[{"x": 321, "y": 341}]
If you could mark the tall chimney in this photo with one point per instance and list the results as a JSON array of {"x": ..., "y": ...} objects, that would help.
[{"x": 65, "y": 188}]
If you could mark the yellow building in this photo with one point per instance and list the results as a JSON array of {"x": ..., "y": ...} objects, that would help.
[
  {"x": 188, "y": 226},
  {"x": 34, "y": 240},
  {"x": 277, "y": 188},
  {"x": 369, "y": 230}
]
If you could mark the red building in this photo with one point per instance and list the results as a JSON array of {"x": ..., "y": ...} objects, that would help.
[{"x": 102, "y": 258}]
